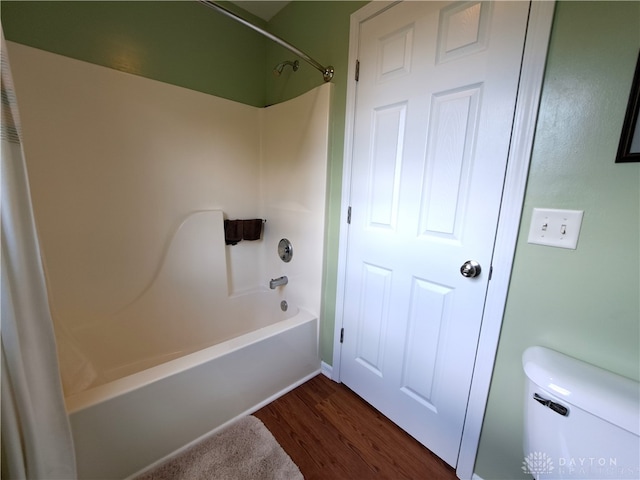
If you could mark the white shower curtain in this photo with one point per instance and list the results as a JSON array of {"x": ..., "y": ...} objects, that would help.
[{"x": 36, "y": 437}]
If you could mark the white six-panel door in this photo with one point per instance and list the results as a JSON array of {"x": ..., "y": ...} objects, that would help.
[{"x": 433, "y": 118}]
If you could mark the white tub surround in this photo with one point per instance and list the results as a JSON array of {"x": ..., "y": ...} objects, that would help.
[
  {"x": 185, "y": 308},
  {"x": 293, "y": 183},
  {"x": 117, "y": 162}
]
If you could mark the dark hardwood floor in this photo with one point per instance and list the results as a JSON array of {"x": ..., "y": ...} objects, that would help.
[{"x": 332, "y": 434}]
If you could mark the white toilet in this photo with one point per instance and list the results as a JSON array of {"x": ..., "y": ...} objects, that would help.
[{"x": 581, "y": 422}]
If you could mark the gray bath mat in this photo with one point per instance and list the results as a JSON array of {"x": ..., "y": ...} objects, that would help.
[{"x": 244, "y": 450}]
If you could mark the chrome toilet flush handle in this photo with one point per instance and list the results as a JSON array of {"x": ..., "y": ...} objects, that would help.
[{"x": 556, "y": 407}]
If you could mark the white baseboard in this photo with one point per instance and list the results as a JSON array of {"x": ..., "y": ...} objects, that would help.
[
  {"x": 326, "y": 370},
  {"x": 476, "y": 477}
]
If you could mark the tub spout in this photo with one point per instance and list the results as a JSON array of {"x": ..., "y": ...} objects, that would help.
[{"x": 276, "y": 282}]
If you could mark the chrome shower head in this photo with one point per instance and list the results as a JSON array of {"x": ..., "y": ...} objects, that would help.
[{"x": 278, "y": 68}]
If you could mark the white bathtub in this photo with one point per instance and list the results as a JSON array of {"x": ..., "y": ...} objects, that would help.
[
  {"x": 183, "y": 358},
  {"x": 121, "y": 427}
]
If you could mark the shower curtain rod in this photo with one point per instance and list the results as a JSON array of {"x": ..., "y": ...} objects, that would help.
[{"x": 327, "y": 72}]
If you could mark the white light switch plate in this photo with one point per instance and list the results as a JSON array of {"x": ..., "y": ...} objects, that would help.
[{"x": 555, "y": 228}]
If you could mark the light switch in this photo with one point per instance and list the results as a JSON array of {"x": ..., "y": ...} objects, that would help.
[{"x": 555, "y": 228}]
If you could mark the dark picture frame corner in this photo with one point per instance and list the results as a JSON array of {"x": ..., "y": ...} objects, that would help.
[{"x": 629, "y": 146}]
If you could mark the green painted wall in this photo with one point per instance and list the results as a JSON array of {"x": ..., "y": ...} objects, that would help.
[
  {"x": 584, "y": 302},
  {"x": 182, "y": 43}
]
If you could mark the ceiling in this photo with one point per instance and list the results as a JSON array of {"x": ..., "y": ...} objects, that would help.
[{"x": 264, "y": 9}]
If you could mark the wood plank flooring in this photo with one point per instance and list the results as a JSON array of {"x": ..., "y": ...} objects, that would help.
[{"x": 332, "y": 434}]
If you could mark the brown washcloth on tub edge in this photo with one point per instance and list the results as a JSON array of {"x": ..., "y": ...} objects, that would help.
[
  {"x": 252, "y": 229},
  {"x": 232, "y": 231}
]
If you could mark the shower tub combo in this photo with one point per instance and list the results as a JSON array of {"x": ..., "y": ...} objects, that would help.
[
  {"x": 195, "y": 371},
  {"x": 145, "y": 376}
]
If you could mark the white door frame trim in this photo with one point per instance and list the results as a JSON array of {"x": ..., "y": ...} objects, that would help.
[{"x": 526, "y": 113}]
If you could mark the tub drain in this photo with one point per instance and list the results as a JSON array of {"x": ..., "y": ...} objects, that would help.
[{"x": 284, "y": 305}]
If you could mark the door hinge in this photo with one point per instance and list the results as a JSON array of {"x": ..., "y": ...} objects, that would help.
[
  {"x": 349, "y": 215},
  {"x": 357, "y": 70},
  {"x": 342, "y": 335},
  {"x": 490, "y": 272}
]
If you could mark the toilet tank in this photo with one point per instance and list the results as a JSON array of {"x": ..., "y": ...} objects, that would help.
[{"x": 581, "y": 422}]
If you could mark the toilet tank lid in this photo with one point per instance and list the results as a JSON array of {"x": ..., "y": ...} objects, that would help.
[{"x": 604, "y": 394}]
